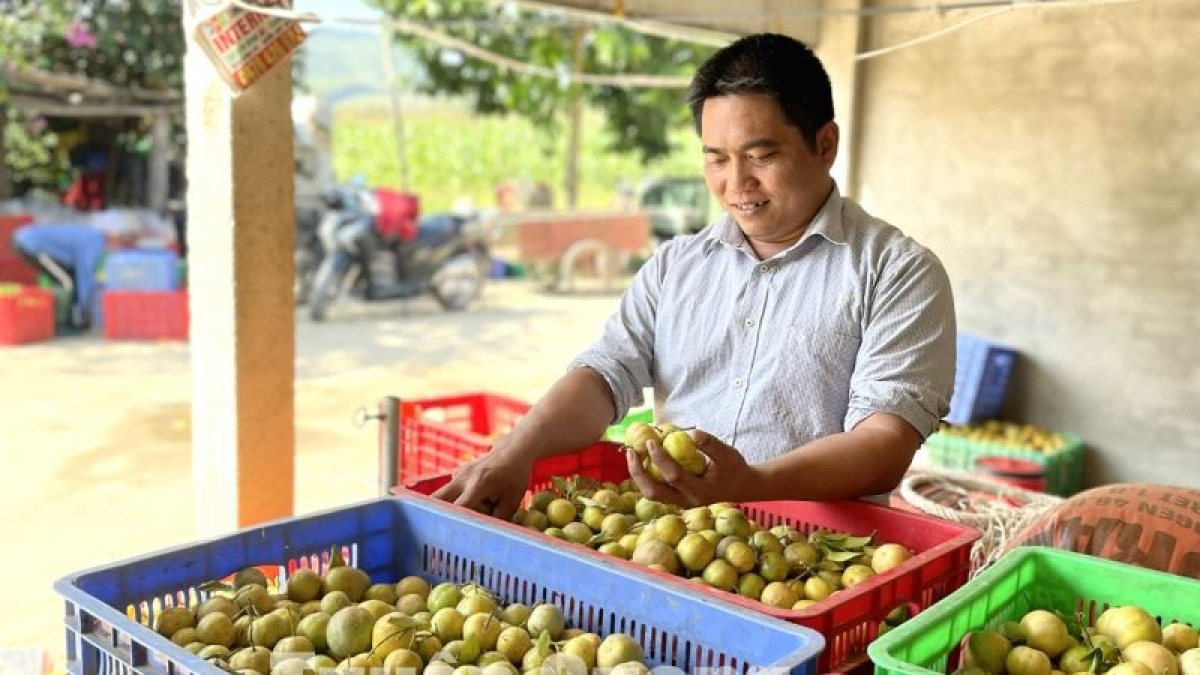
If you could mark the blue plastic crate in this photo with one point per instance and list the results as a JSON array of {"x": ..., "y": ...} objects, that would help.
[
  {"x": 980, "y": 379},
  {"x": 410, "y": 534},
  {"x": 141, "y": 271}
]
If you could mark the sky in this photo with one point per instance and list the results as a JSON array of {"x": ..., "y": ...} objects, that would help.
[{"x": 351, "y": 9}]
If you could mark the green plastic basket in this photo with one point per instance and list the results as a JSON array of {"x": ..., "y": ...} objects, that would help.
[
  {"x": 1025, "y": 579},
  {"x": 616, "y": 432},
  {"x": 1063, "y": 468}
]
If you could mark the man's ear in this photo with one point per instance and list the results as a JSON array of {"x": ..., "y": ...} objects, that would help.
[{"x": 828, "y": 138}]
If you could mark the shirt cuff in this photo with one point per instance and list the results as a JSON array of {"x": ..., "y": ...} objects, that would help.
[
  {"x": 896, "y": 400},
  {"x": 622, "y": 393}
]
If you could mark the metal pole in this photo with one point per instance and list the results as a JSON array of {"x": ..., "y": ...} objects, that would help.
[
  {"x": 389, "y": 444},
  {"x": 389, "y": 76}
]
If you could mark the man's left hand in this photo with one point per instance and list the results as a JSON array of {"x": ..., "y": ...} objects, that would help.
[{"x": 727, "y": 479}]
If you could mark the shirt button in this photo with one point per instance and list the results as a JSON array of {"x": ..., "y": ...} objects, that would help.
[
  {"x": 749, "y": 323},
  {"x": 765, "y": 267},
  {"x": 737, "y": 384}
]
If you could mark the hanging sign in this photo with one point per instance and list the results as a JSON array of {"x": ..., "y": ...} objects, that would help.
[{"x": 245, "y": 41}]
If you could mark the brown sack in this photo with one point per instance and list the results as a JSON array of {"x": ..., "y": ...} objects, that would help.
[{"x": 1152, "y": 526}]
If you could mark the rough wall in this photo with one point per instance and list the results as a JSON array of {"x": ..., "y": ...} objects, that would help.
[{"x": 1051, "y": 157}]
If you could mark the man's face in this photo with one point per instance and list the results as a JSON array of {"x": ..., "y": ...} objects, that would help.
[{"x": 761, "y": 170}]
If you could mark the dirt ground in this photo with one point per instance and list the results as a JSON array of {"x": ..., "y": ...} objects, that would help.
[{"x": 96, "y": 435}]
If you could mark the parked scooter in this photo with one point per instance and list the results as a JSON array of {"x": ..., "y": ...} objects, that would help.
[
  {"x": 377, "y": 247},
  {"x": 308, "y": 251}
]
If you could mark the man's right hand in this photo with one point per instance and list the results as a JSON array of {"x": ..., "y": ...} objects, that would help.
[{"x": 492, "y": 484}]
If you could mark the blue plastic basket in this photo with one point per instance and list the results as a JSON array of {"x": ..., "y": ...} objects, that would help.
[
  {"x": 142, "y": 271},
  {"x": 980, "y": 379},
  {"x": 410, "y": 534}
]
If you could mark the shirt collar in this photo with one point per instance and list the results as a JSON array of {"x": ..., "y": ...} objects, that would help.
[{"x": 827, "y": 223}]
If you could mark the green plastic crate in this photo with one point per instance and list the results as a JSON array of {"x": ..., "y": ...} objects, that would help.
[
  {"x": 1025, "y": 579},
  {"x": 616, "y": 432},
  {"x": 1063, "y": 468}
]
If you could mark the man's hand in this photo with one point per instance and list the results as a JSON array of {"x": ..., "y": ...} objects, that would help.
[
  {"x": 492, "y": 484},
  {"x": 728, "y": 477}
]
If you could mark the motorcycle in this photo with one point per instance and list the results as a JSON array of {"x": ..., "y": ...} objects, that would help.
[
  {"x": 377, "y": 247},
  {"x": 308, "y": 251}
]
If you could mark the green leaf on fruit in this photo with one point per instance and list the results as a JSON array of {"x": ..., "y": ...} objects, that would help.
[
  {"x": 543, "y": 644},
  {"x": 335, "y": 558},
  {"x": 560, "y": 484},
  {"x": 842, "y": 556},
  {"x": 857, "y": 542},
  {"x": 214, "y": 586}
]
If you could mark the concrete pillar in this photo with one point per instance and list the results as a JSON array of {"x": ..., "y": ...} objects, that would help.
[
  {"x": 240, "y": 238},
  {"x": 840, "y": 39}
]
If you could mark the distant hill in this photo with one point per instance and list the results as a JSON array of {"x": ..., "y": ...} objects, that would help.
[{"x": 342, "y": 64}]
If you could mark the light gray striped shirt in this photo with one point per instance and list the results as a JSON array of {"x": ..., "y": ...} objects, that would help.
[{"x": 853, "y": 319}]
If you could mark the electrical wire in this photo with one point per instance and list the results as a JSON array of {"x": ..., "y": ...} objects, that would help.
[
  {"x": 623, "y": 81},
  {"x": 426, "y": 31},
  {"x": 1013, "y": 4}
]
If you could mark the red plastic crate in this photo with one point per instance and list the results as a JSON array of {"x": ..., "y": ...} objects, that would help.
[
  {"x": 850, "y": 619},
  {"x": 9, "y": 224},
  {"x": 26, "y": 315},
  {"x": 145, "y": 315},
  {"x": 14, "y": 269},
  {"x": 436, "y": 435}
]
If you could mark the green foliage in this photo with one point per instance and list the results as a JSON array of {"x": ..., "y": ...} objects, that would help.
[
  {"x": 122, "y": 42},
  {"x": 640, "y": 120},
  {"x": 453, "y": 153},
  {"x": 125, "y": 43},
  {"x": 29, "y": 152}
]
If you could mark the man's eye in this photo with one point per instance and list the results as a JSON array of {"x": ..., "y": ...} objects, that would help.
[
  {"x": 760, "y": 159},
  {"x": 715, "y": 160}
]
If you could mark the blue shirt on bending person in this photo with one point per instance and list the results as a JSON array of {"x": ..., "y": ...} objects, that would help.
[{"x": 70, "y": 254}]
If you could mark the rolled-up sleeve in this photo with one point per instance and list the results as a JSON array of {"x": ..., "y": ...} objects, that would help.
[
  {"x": 906, "y": 362},
  {"x": 624, "y": 354}
]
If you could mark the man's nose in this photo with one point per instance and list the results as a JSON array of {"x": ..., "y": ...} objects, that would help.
[{"x": 743, "y": 175}]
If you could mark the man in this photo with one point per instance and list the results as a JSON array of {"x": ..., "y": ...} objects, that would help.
[
  {"x": 70, "y": 254},
  {"x": 809, "y": 343}
]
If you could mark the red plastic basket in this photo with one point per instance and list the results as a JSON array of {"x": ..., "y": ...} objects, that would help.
[
  {"x": 145, "y": 315},
  {"x": 436, "y": 435},
  {"x": 16, "y": 270},
  {"x": 26, "y": 316},
  {"x": 850, "y": 619},
  {"x": 8, "y": 225}
]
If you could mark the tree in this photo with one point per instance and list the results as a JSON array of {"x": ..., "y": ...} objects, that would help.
[
  {"x": 639, "y": 118},
  {"x": 125, "y": 43}
]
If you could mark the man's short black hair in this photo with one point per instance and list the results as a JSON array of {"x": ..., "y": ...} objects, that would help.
[{"x": 779, "y": 66}]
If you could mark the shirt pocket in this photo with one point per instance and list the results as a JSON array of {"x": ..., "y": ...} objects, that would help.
[{"x": 826, "y": 354}]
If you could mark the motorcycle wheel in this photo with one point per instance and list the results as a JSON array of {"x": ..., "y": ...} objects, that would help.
[
  {"x": 459, "y": 281},
  {"x": 305, "y": 271},
  {"x": 326, "y": 286}
]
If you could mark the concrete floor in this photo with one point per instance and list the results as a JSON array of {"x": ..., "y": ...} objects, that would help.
[{"x": 96, "y": 435}]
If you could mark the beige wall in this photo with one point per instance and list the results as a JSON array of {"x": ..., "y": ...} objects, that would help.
[{"x": 1051, "y": 157}]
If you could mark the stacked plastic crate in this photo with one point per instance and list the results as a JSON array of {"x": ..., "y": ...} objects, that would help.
[
  {"x": 973, "y": 441},
  {"x": 13, "y": 267},
  {"x": 143, "y": 298},
  {"x": 26, "y": 314}
]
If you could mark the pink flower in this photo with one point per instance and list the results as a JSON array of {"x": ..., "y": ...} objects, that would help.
[{"x": 78, "y": 35}]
